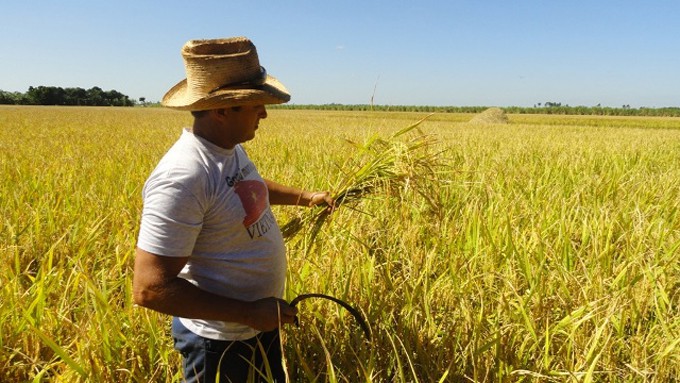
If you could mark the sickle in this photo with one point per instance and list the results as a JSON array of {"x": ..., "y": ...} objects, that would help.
[{"x": 355, "y": 313}]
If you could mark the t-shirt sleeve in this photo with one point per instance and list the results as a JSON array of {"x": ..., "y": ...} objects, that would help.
[{"x": 172, "y": 218}]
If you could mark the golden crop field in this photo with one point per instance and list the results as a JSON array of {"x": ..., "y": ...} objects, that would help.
[{"x": 546, "y": 249}]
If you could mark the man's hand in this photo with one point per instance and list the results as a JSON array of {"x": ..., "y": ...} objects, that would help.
[
  {"x": 321, "y": 198},
  {"x": 268, "y": 314},
  {"x": 286, "y": 195}
]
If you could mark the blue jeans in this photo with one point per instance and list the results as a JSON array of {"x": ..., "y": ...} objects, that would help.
[{"x": 234, "y": 361}]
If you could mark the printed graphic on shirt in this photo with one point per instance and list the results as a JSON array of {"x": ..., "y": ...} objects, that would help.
[
  {"x": 253, "y": 196},
  {"x": 240, "y": 175},
  {"x": 262, "y": 226}
]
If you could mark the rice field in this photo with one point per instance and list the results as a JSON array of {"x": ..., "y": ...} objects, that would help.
[{"x": 546, "y": 249}]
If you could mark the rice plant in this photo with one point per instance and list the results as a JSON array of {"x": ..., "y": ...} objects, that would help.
[{"x": 545, "y": 249}]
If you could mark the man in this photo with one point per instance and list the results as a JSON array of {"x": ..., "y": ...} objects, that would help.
[{"x": 209, "y": 251}]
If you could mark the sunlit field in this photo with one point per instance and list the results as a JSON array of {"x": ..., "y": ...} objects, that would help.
[{"x": 542, "y": 250}]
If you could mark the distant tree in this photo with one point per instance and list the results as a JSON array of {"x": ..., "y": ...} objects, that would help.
[
  {"x": 95, "y": 96},
  {"x": 46, "y": 95},
  {"x": 6, "y": 98},
  {"x": 113, "y": 98},
  {"x": 76, "y": 96},
  {"x": 11, "y": 98}
]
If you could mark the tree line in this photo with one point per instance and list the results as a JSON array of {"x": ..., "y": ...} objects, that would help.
[
  {"x": 95, "y": 96},
  {"x": 547, "y": 108},
  {"x": 53, "y": 95}
]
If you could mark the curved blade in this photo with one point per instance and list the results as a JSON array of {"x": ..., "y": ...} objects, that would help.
[{"x": 355, "y": 313}]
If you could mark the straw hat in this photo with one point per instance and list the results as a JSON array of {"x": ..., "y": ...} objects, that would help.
[{"x": 221, "y": 73}]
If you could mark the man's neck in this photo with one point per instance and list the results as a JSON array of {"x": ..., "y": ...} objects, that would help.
[{"x": 209, "y": 129}]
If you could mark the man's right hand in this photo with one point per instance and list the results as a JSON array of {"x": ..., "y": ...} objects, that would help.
[{"x": 268, "y": 314}]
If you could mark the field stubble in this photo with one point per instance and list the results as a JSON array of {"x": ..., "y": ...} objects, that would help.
[{"x": 552, "y": 251}]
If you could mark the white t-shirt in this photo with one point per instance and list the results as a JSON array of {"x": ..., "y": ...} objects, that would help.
[{"x": 210, "y": 204}]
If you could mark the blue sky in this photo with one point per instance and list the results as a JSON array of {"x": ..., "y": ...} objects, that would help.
[{"x": 463, "y": 53}]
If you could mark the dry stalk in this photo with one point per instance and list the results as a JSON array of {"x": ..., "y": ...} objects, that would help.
[{"x": 391, "y": 163}]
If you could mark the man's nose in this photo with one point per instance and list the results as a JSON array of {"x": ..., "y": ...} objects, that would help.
[{"x": 263, "y": 112}]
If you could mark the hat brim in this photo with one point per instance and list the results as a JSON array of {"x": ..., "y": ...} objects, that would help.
[{"x": 271, "y": 92}]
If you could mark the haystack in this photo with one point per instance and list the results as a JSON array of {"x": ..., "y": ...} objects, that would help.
[{"x": 490, "y": 116}]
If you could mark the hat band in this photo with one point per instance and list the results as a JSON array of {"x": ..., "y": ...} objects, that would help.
[{"x": 259, "y": 80}]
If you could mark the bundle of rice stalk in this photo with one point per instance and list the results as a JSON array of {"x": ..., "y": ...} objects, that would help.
[
  {"x": 490, "y": 116},
  {"x": 391, "y": 164}
]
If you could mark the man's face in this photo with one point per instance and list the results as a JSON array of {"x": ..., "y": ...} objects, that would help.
[{"x": 242, "y": 121}]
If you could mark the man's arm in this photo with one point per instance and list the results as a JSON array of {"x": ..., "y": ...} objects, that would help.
[
  {"x": 156, "y": 286},
  {"x": 286, "y": 195}
]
